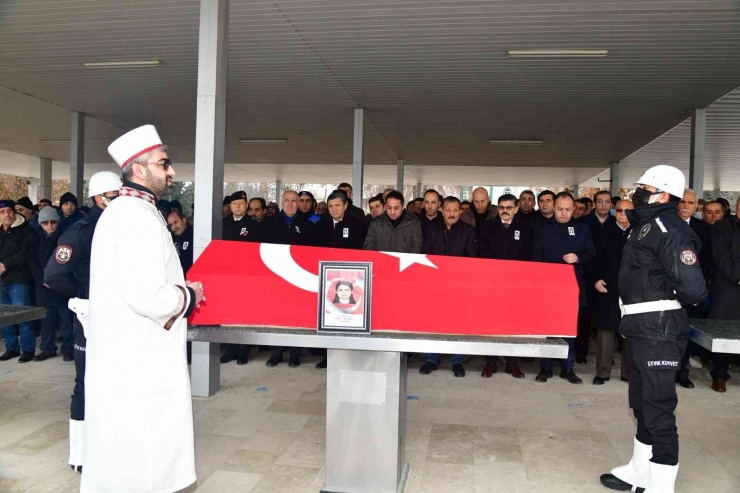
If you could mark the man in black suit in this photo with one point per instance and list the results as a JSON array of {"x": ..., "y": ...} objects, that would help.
[
  {"x": 686, "y": 210},
  {"x": 507, "y": 238}
]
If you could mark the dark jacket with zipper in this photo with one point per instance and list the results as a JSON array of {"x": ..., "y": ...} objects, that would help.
[
  {"x": 461, "y": 240},
  {"x": 406, "y": 237},
  {"x": 553, "y": 240},
  {"x": 660, "y": 262},
  {"x": 16, "y": 252}
]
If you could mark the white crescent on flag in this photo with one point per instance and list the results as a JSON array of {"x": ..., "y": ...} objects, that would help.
[{"x": 279, "y": 260}]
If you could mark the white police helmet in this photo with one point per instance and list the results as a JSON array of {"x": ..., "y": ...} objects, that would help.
[
  {"x": 103, "y": 181},
  {"x": 665, "y": 178}
]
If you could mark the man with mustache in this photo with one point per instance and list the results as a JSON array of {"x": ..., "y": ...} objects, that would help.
[
  {"x": 455, "y": 238},
  {"x": 140, "y": 415},
  {"x": 508, "y": 238}
]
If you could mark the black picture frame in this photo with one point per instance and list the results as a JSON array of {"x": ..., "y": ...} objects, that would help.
[{"x": 337, "y": 313}]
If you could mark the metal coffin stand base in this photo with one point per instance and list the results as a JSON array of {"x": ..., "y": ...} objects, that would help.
[
  {"x": 365, "y": 422},
  {"x": 366, "y": 390}
]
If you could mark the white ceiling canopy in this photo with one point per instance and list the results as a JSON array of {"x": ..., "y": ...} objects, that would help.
[{"x": 434, "y": 77}]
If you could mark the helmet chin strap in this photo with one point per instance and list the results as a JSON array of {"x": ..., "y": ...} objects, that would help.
[{"x": 654, "y": 197}]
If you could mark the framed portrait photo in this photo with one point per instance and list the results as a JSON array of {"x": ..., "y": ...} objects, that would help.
[{"x": 345, "y": 294}]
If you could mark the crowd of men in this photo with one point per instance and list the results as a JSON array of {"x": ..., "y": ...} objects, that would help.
[{"x": 586, "y": 233}]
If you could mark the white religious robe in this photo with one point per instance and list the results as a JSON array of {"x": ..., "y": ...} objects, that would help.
[{"x": 138, "y": 412}]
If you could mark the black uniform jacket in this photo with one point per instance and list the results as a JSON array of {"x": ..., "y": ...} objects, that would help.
[
  {"x": 552, "y": 240},
  {"x": 347, "y": 233},
  {"x": 243, "y": 229},
  {"x": 702, "y": 230},
  {"x": 606, "y": 267},
  {"x": 45, "y": 247},
  {"x": 68, "y": 270},
  {"x": 512, "y": 243},
  {"x": 426, "y": 222},
  {"x": 461, "y": 240},
  {"x": 659, "y": 262},
  {"x": 184, "y": 247},
  {"x": 724, "y": 301}
]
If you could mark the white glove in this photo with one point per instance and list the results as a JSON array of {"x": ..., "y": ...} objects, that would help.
[{"x": 82, "y": 309}]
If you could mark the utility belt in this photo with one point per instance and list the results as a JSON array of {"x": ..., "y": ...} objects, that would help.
[{"x": 649, "y": 307}]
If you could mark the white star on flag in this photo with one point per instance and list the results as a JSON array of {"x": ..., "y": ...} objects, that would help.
[{"x": 408, "y": 259}]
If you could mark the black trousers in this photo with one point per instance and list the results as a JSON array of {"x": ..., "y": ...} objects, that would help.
[
  {"x": 652, "y": 394},
  {"x": 585, "y": 315},
  {"x": 721, "y": 363},
  {"x": 77, "y": 409},
  {"x": 237, "y": 350}
]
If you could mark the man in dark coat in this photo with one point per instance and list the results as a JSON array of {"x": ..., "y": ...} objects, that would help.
[
  {"x": 70, "y": 212},
  {"x": 239, "y": 226},
  {"x": 16, "y": 247},
  {"x": 686, "y": 209},
  {"x": 454, "y": 238},
  {"x": 604, "y": 272},
  {"x": 506, "y": 238},
  {"x": 564, "y": 241},
  {"x": 338, "y": 229},
  {"x": 182, "y": 238},
  {"x": 430, "y": 214},
  {"x": 395, "y": 231},
  {"x": 353, "y": 210},
  {"x": 724, "y": 298},
  {"x": 598, "y": 221}
]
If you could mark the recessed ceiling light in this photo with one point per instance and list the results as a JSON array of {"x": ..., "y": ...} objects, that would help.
[
  {"x": 556, "y": 53},
  {"x": 517, "y": 142},
  {"x": 133, "y": 63},
  {"x": 263, "y": 141},
  {"x": 53, "y": 142}
]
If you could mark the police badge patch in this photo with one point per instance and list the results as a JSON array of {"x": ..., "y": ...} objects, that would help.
[
  {"x": 644, "y": 231},
  {"x": 688, "y": 257},
  {"x": 63, "y": 254}
]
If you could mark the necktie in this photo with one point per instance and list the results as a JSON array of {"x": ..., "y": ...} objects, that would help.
[{"x": 506, "y": 225}]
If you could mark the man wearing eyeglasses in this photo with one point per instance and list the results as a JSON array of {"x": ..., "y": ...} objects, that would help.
[
  {"x": 138, "y": 412},
  {"x": 506, "y": 238},
  {"x": 605, "y": 270},
  {"x": 597, "y": 222}
]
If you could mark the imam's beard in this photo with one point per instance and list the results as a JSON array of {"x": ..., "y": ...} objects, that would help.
[{"x": 159, "y": 186}]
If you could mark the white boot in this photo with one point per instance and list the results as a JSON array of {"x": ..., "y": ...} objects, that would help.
[
  {"x": 637, "y": 471},
  {"x": 662, "y": 478},
  {"x": 76, "y": 441}
]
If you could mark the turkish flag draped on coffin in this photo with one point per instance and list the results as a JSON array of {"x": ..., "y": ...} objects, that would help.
[{"x": 262, "y": 284}]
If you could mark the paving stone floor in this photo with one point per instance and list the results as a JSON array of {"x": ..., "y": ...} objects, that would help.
[{"x": 264, "y": 431}]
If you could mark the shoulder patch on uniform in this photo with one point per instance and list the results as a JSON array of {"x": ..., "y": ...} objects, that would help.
[
  {"x": 63, "y": 254},
  {"x": 660, "y": 225},
  {"x": 643, "y": 232},
  {"x": 688, "y": 257}
]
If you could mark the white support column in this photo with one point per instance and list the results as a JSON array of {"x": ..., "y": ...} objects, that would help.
[
  {"x": 419, "y": 190},
  {"x": 576, "y": 191},
  {"x": 33, "y": 190},
  {"x": 210, "y": 137},
  {"x": 696, "y": 160},
  {"x": 358, "y": 165},
  {"x": 278, "y": 192},
  {"x": 400, "y": 168},
  {"x": 45, "y": 188},
  {"x": 615, "y": 173},
  {"x": 77, "y": 156}
]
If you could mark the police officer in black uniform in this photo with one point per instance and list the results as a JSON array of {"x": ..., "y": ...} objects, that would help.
[
  {"x": 68, "y": 272},
  {"x": 660, "y": 271}
]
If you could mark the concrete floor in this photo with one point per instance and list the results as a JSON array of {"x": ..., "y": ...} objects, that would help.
[{"x": 264, "y": 432}]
